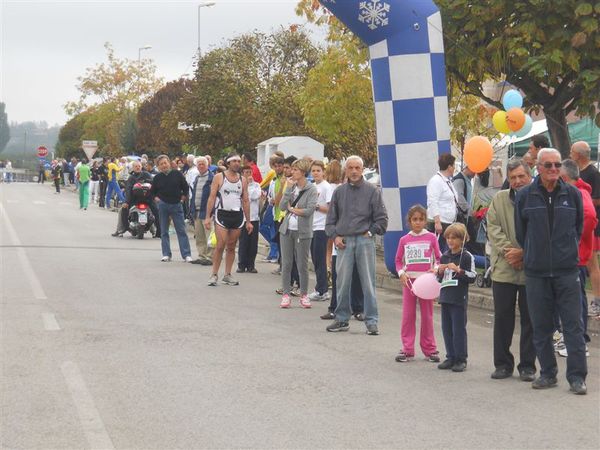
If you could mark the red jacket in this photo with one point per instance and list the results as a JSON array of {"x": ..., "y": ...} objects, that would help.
[
  {"x": 258, "y": 176},
  {"x": 586, "y": 245}
]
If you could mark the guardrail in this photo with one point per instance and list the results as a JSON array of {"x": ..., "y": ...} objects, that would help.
[{"x": 16, "y": 175}]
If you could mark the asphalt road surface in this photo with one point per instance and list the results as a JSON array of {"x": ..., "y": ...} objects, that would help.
[{"x": 104, "y": 346}]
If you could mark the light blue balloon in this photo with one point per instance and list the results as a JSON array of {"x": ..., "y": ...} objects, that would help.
[
  {"x": 526, "y": 128},
  {"x": 512, "y": 99}
]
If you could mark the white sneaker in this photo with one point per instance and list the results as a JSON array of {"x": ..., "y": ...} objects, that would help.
[
  {"x": 213, "y": 280},
  {"x": 166, "y": 259},
  {"x": 316, "y": 297},
  {"x": 188, "y": 259}
]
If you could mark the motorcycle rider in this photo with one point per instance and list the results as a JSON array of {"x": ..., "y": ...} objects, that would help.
[{"x": 137, "y": 176}]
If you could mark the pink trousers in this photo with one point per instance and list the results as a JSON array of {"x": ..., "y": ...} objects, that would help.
[{"x": 409, "y": 318}]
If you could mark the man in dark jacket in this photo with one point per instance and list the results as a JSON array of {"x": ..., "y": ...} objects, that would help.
[
  {"x": 169, "y": 190},
  {"x": 137, "y": 176},
  {"x": 548, "y": 224},
  {"x": 198, "y": 204}
]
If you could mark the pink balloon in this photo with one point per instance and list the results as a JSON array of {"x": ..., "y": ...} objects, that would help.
[{"x": 426, "y": 286}]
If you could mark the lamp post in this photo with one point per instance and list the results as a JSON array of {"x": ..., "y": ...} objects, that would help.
[
  {"x": 202, "y": 5},
  {"x": 145, "y": 47}
]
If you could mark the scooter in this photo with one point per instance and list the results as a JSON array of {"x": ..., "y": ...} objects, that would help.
[{"x": 141, "y": 220}]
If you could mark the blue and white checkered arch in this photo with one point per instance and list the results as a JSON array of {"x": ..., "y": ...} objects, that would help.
[{"x": 411, "y": 103}]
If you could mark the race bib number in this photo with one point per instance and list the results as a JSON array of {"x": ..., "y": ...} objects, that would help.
[
  {"x": 415, "y": 253},
  {"x": 448, "y": 281}
]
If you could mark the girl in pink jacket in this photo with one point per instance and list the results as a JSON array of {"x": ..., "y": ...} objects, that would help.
[{"x": 418, "y": 252}]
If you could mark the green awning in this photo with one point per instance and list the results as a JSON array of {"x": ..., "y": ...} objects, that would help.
[{"x": 584, "y": 130}]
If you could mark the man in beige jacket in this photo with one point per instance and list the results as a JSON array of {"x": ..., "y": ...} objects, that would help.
[{"x": 508, "y": 279}]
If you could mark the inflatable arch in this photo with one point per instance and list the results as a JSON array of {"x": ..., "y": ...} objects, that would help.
[{"x": 411, "y": 104}]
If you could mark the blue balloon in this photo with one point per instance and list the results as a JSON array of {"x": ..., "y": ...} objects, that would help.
[
  {"x": 526, "y": 128},
  {"x": 512, "y": 99}
]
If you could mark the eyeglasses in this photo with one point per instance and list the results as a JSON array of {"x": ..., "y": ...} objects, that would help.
[{"x": 548, "y": 165}]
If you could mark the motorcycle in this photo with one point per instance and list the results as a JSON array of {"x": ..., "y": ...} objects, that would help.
[{"x": 141, "y": 220}]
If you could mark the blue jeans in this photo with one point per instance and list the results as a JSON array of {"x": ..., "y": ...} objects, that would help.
[
  {"x": 267, "y": 230},
  {"x": 113, "y": 186},
  {"x": 359, "y": 252},
  {"x": 175, "y": 212},
  {"x": 562, "y": 294}
]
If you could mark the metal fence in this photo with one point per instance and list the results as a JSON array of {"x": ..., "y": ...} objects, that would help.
[{"x": 17, "y": 176}]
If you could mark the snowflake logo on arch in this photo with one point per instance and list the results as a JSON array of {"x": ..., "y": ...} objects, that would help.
[{"x": 374, "y": 13}]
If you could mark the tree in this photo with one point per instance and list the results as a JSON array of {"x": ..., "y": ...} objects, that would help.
[
  {"x": 337, "y": 104},
  {"x": 244, "y": 92},
  {"x": 4, "y": 128},
  {"x": 551, "y": 54},
  {"x": 124, "y": 83},
  {"x": 157, "y": 128},
  {"x": 70, "y": 137}
]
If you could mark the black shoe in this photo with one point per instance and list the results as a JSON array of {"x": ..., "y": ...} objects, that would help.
[
  {"x": 338, "y": 326},
  {"x": 459, "y": 366},
  {"x": 197, "y": 261},
  {"x": 206, "y": 262},
  {"x": 328, "y": 316},
  {"x": 253, "y": 270},
  {"x": 501, "y": 373},
  {"x": 117, "y": 234},
  {"x": 372, "y": 329},
  {"x": 544, "y": 383},
  {"x": 446, "y": 365},
  {"x": 578, "y": 387},
  {"x": 240, "y": 270},
  {"x": 527, "y": 375}
]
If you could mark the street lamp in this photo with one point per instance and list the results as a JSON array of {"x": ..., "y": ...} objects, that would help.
[
  {"x": 202, "y": 5},
  {"x": 145, "y": 47}
]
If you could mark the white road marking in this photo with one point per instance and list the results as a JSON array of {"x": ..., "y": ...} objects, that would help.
[
  {"x": 65, "y": 203},
  {"x": 50, "y": 323},
  {"x": 34, "y": 281},
  {"x": 12, "y": 201},
  {"x": 39, "y": 202},
  {"x": 90, "y": 419}
]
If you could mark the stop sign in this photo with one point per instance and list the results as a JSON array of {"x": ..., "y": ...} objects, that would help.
[{"x": 42, "y": 151}]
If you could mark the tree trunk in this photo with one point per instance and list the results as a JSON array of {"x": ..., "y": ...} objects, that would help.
[{"x": 559, "y": 131}]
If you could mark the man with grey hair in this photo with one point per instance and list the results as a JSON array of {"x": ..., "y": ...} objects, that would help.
[
  {"x": 508, "y": 279},
  {"x": 356, "y": 214},
  {"x": 200, "y": 192},
  {"x": 581, "y": 154},
  {"x": 549, "y": 223},
  {"x": 570, "y": 174}
]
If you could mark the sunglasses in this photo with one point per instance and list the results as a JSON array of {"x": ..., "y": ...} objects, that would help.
[{"x": 548, "y": 165}]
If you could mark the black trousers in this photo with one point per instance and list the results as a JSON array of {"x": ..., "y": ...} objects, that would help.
[
  {"x": 41, "y": 176},
  {"x": 318, "y": 252},
  {"x": 57, "y": 184},
  {"x": 248, "y": 247},
  {"x": 562, "y": 294},
  {"x": 101, "y": 199},
  {"x": 506, "y": 296},
  {"x": 454, "y": 329},
  {"x": 357, "y": 298}
]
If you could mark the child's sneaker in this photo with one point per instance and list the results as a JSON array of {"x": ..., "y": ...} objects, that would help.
[
  {"x": 402, "y": 357},
  {"x": 305, "y": 302},
  {"x": 285, "y": 301},
  {"x": 434, "y": 357}
]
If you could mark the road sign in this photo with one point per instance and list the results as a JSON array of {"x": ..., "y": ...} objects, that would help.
[
  {"x": 42, "y": 151},
  {"x": 90, "y": 148}
]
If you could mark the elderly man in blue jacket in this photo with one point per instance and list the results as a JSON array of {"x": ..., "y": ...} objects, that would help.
[
  {"x": 549, "y": 223},
  {"x": 198, "y": 203}
]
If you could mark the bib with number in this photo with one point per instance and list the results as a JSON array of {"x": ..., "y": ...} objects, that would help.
[
  {"x": 448, "y": 281},
  {"x": 414, "y": 253}
]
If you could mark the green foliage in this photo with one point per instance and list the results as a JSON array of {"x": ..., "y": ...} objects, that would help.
[
  {"x": 4, "y": 128},
  {"x": 244, "y": 92}
]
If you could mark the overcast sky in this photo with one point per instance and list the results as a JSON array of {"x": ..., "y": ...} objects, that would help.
[{"x": 46, "y": 45}]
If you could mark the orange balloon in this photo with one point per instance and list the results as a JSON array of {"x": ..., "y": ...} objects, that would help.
[
  {"x": 478, "y": 153},
  {"x": 515, "y": 119}
]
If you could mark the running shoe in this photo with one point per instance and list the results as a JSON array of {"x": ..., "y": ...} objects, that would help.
[
  {"x": 212, "y": 281},
  {"x": 317, "y": 297},
  {"x": 594, "y": 310},
  {"x": 285, "y": 302},
  {"x": 338, "y": 326},
  {"x": 188, "y": 259},
  {"x": 166, "y": 259},
  {"x": 305, "y": 302},
  {"x": 403, "y": 357},
  {"x": 372, "y": 329},
  {"x": 295, "y": 292},
  {"x": 433, "y": 357},
  {"x": 229, "y": 280}
]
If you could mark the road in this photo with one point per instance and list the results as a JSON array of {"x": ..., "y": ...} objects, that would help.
[{"x": 104, "y": 346}]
